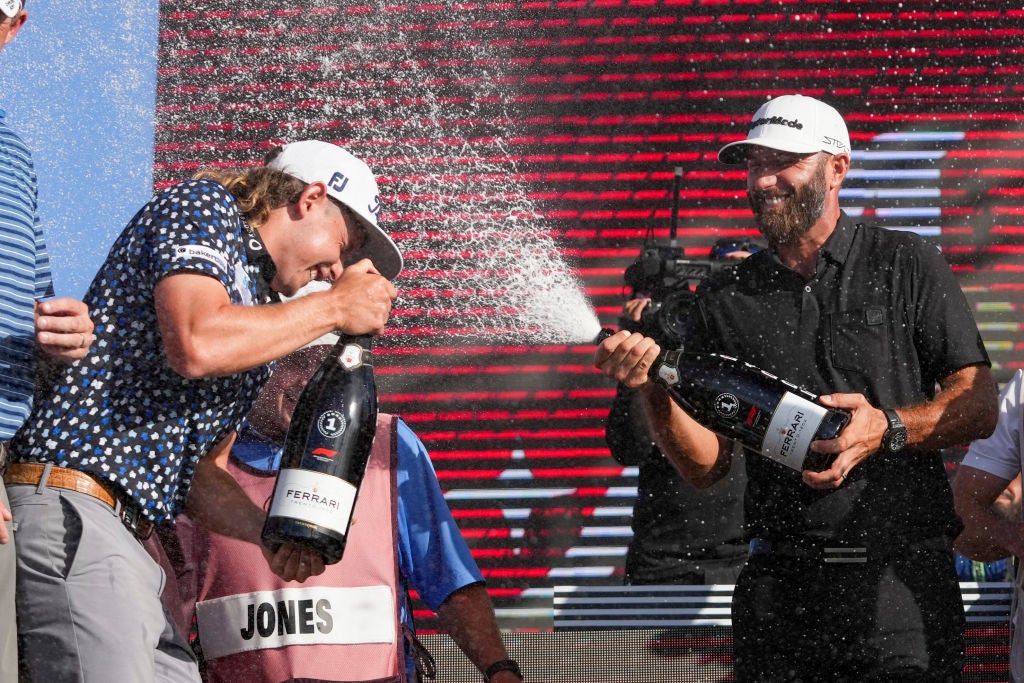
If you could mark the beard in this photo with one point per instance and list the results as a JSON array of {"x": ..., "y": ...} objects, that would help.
[{"x": 791, "y": 219}]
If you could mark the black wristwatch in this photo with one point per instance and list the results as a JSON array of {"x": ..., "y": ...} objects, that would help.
[
  {"x": 895, "y": 437},
  {"x": 502, "y": 665}
]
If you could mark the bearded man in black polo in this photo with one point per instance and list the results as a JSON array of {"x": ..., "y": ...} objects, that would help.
[{"x": 851, "y": 573}]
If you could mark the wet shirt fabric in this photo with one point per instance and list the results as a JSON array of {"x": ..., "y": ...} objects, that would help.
[
  {"x": 883, "y": 316},
  {"x": 122, "y": 413},
  {"x": 24, "y": 278},
  {"x": 681, "y": 534}
]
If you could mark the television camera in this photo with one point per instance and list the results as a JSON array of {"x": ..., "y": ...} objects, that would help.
[{"x": 661, "y": 274}]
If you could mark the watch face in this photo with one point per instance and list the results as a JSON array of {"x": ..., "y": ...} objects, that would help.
[{"x": 895, "y": 440}]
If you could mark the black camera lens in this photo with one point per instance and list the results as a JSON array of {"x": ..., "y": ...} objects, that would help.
[{"x": 673, "y": 319}]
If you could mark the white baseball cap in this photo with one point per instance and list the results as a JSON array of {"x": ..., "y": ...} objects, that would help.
[
  {"x": 792, "y": 123},
  {"x": 10, "y": 8},
  {"x": 351, "y": 182},
  {"x": 329, "y": 339}
]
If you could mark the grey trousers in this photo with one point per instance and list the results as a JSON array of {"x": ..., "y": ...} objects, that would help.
[
  {"x": 88, "y": 595},
  {"x": 8, "y": 625}
]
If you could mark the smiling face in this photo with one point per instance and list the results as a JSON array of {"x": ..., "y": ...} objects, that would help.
[
  {"x": 322, "y": 240},
  {"x": 787, "y": 192},
  {"x": 271, "y": 414}
]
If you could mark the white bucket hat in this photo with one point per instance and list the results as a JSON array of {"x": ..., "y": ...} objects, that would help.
[
  {"x": 352, "y": 183},
  {"x": 792, "y": 123}
]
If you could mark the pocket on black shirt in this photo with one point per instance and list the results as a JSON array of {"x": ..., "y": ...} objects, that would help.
[{"x": 860, "y": 339}]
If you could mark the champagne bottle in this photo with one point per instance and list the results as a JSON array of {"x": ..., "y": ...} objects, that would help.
[
  {"x": 325, "y": 453},
  {"x": 740, "y": 401}
]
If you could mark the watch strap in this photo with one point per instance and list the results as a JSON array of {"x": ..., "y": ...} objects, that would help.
[
  {"x": 502, "y": 665},
  {"x": 895, "y": 436}
]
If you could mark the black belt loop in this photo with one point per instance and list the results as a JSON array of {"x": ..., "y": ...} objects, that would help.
[
  {"x": 845, "y": 555},
  {"x": 809, "y": 550}
]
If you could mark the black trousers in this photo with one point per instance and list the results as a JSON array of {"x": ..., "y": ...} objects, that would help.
[{"x": 897, "y": 617}]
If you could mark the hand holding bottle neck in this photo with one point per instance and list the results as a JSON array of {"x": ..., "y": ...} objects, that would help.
[{"x": 363, "y": 340}]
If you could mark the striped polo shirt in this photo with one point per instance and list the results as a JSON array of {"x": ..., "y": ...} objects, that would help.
[{"x": 24, "y": 277}]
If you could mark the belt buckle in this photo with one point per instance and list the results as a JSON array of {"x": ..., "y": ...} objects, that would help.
[{"x": 135, "y": 522}]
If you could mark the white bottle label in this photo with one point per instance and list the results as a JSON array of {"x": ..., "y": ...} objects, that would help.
[
  {"x": 792, "y": 429},
  {"x": 314, "y": 497}
]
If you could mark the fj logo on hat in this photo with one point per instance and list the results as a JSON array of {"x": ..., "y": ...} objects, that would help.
[{"x": 338, "y": 182}]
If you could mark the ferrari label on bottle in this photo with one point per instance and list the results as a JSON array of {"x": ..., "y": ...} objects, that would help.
[
  {"x": 313, "y": 497},
  {"x": 791, "y": 430}
]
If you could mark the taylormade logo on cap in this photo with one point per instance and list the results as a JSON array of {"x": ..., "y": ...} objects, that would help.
[
  {"x": 792, "y": 123},
  {"x": 351, "y": 182}
]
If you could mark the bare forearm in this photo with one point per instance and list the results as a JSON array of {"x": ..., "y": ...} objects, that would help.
[
  {"x": 700, "y": 455},
  {"x": 986, "y": 535},
  {"x": 468, "y": 617},
  {"x": 205, "y": 335},
  {"x": 223, "y": 340},
  {"x": 964, "y": 409},
  {"x": 219, "y": 504},
  {"x": 990, "y": 538}
]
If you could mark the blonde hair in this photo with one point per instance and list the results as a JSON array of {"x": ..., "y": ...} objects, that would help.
[{"x": 257, "y": 191}]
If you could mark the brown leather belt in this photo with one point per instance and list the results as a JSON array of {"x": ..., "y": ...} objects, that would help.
[{"x": 74, "y": 480}]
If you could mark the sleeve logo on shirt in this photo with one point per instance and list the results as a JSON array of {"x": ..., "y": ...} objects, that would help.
[
  {"x": 192, "y": 252},
  {"x": 243, "y": 285}
]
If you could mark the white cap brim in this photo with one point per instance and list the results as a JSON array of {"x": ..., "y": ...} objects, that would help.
[{"x": 736, "y": 152}]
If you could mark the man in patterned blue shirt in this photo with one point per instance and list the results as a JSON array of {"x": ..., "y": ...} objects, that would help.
[
  {"x": 183, "y": 343},
  {"x": 62, "y": 327}
]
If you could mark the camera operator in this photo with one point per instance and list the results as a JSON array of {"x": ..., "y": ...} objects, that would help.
[{"x": 680, "y": 535}]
